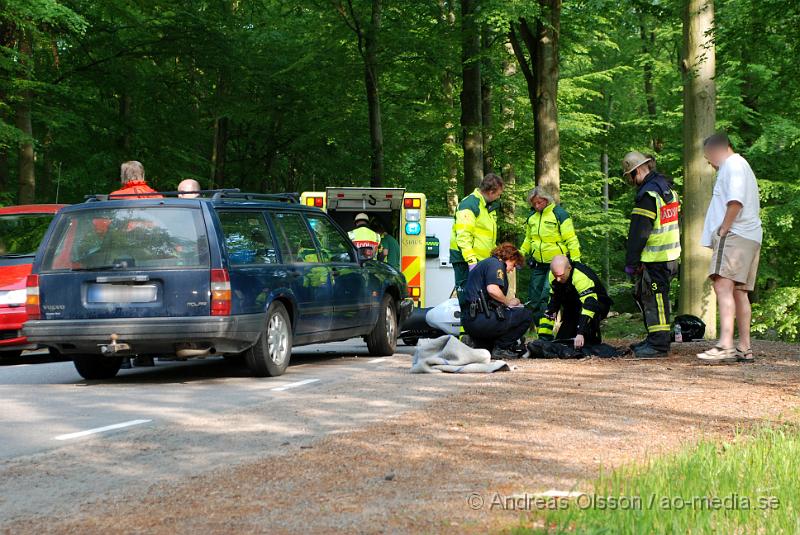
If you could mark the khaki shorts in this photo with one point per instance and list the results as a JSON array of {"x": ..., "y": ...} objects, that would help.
[{"x": 735, "y": 258}]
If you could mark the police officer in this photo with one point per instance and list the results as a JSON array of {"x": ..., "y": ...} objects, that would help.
[
  {"x": 364, "y": 238},
  {"x": 575, "y": 291},
  {"x": 654, "y": 247},
  {"x": 548, "y": 232},
  {"x": 493, "y": 320},
  {"x": 474, "y": 233}
]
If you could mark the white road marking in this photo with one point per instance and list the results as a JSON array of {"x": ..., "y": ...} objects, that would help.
[
  {"x": 293, "y": 385},
  {"x": 379, "y": 359},
  {"x": 80, "y": 434}
]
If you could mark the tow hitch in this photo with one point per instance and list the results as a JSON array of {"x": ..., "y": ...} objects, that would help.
[{"x": 114, "y": 347}]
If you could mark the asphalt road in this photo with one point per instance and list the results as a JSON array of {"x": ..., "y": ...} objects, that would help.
[{"x": 66, "y": 442}]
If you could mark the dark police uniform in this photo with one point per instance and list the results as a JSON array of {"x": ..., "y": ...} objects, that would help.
[
  {"x": 654, "y": 247},
  {"x": 497, "y": 326},
  {"x": 583, "y": 302}
]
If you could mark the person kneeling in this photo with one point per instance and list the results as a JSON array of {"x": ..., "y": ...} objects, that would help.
[
  {"x": 493, "y": 320},
  {"x": 575, "y": 291}
]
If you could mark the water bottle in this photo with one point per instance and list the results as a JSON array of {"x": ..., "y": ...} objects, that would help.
[{"x": 678, "y": 334}]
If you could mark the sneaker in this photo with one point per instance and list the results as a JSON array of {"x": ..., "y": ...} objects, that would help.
[
  {"x": 744, "y": 355},
  {"x": 718, "y": 355},
  {"x": 647, "y": 351},
  {"x": 504, "y": 354}
]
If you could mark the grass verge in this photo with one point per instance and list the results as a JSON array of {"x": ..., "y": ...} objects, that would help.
[{"x": 747, "y": 485}]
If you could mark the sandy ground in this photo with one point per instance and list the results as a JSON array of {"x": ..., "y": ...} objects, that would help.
[{"x": 547, "y": 425}]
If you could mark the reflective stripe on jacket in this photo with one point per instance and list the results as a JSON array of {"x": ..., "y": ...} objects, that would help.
[
  {"x": 549, "y": 234},
  {"x": 664, "y": 242},
  {"x": 365, "y": 237},
  {"x": 474, "y": 233}
]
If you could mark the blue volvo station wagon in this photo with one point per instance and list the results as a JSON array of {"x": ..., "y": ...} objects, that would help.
[{"x": 245, "y": 276}]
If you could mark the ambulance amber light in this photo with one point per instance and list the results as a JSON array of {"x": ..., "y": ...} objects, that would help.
[
  {"x": 413, "y": 229},
  {"x": 413, "y": 291}
]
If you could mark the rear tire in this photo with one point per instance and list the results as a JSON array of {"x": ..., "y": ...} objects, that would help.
[
  {"x": 270, "y": 355},
  {"x": 93, "y": 367},
  {"x": 382, "y": 341}
]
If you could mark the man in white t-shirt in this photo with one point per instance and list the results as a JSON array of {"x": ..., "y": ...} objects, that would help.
[{"x": 733, "y": 231}]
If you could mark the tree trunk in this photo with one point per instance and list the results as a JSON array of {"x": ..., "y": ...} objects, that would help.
[
  {"x": 219, "y": 152},
  {"x": 27, "y": 176},
  {"x": 546, "y": 140},
  {"x": 486, "y": 101},
  {"x": 448, "y": 19},
  {"x": 509, "y": 173},
  {"x": 648, "y": 37},
  {"x": 699, "y": 117},
  {"x": 373, "y": 96},
  {"x": 605, "y": 169},
  {"x": 125, "y": 105},
  {"x": 471, "y": 112},
  {"x": 541, "y": 76}
]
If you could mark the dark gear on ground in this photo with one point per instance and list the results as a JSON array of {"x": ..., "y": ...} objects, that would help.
[
  {"x": 583, "y": 302},
  {"x": 692, "y": 327},
  {"x": 490, "y": 324},
  {"x": 564, "y": 349}
]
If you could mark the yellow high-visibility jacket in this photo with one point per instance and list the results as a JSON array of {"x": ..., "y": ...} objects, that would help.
[
  {"x": 474, "y": 233},
  {"x": 549, "y": 234}
]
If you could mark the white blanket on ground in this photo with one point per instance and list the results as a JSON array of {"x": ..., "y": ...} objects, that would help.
[{"x": 448, "y": 354}]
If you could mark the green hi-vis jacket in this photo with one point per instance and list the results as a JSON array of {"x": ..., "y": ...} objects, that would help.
[
  {"x": 549, "y": 234},
  {"x": 584, "y": 289},
  {"x": 474, "y": 233}
]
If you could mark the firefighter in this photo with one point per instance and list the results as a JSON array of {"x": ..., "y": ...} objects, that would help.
[
  {"x": 576, "y": 292},
  {"x": 548, "y": 232},
  {"x": 474, "y": 233},
  {"x": 364, "y": 238},
  {"x": 131, "y": 175},
  {"x": 493, "y": 320},
  {"x": 654, "y": 247}
]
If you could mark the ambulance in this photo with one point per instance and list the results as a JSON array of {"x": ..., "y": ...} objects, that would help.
[{"x": 402, "y": 215}]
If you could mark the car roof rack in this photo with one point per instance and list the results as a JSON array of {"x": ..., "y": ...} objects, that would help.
[
  {"x": 236, "y": 194},
  {"x": 216, "y": 195}
]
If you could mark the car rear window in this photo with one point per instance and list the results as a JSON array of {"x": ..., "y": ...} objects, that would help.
[
  {"x": 128, "y": 238},
  {"x": 21, "y": 234}
]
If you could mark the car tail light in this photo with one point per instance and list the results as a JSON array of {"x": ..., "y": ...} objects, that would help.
[
  {"x": 220, "y": 293},
  {"x": 412, "y": 203},
  {"x": 318, "y": 202},
  {"x": 32, "y": 307}
]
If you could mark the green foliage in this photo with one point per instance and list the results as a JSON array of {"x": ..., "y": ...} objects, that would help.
[{"x": 778, "y": 316}]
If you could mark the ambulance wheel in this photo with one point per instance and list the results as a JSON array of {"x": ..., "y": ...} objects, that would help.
[
  {"x": 410, "y": 341},
  {"x": 93, "y": 367},
  {"x": 270, "y": 355},
  {"x": 382, "y": 341}
]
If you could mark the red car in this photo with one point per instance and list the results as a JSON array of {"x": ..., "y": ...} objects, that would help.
[{"x": 21, "y": 231}]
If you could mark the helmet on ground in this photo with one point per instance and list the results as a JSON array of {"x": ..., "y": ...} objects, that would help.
[
  {"x": 632, "y": 160},
  {"x": 692, "y": 327}
]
